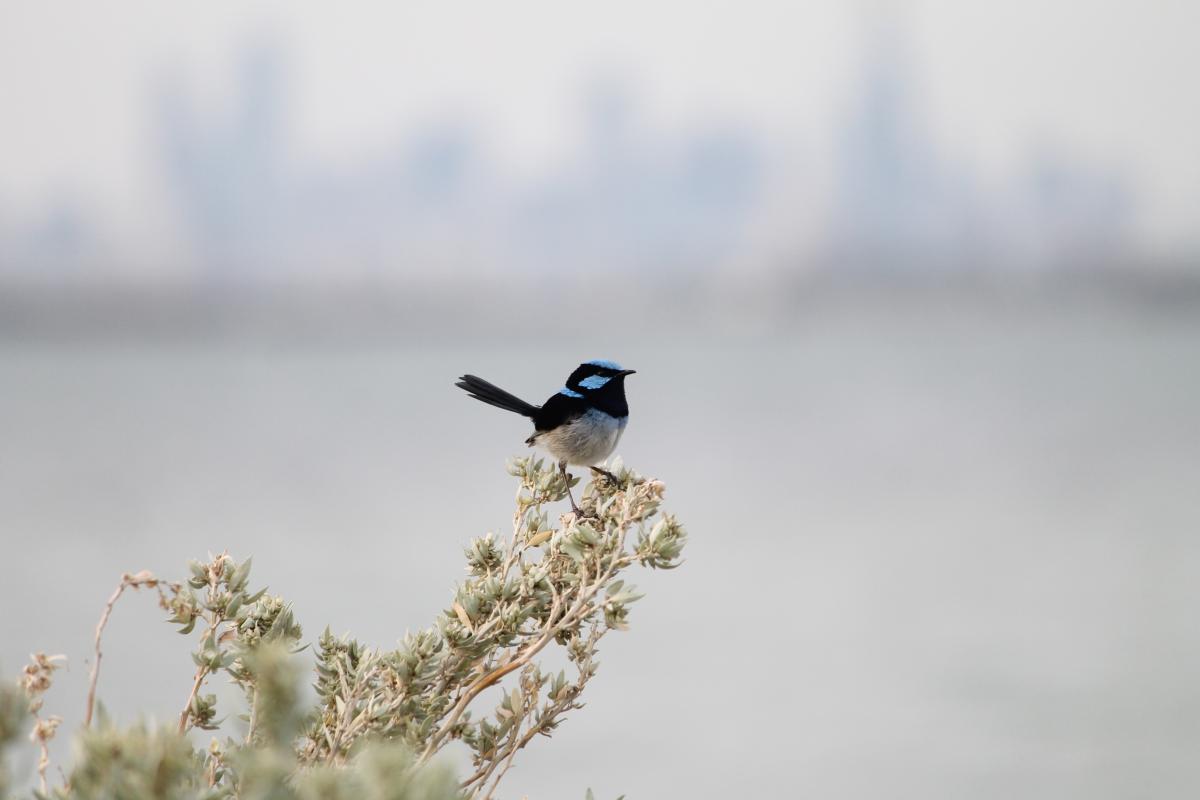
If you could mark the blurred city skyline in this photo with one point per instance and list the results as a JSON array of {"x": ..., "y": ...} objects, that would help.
[{"x": 870, "y": 188}]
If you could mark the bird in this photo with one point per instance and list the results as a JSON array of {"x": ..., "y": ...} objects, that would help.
[{"x": 580, "y": 424}]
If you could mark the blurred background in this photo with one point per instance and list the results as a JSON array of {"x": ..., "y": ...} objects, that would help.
[{"x": 912, "y": 289}]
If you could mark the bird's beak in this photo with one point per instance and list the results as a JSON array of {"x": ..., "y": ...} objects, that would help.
[{"x": 627, "y": 372}]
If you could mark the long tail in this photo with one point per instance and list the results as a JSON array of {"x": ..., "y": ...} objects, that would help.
[{"x": 495, "y": 396}]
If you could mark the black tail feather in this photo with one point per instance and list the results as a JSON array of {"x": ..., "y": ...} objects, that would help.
[{"x": 495, "y": 396}]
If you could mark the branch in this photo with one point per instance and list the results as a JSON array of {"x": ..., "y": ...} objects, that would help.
[
  {"x": 142, "y": 579},
  {"x": 213, "y": 572},
  {"x": 585, "y": 590},
  {"x": 202, "y": 672}
]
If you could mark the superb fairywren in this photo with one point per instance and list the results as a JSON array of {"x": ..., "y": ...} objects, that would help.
[{"x": 580, "y": 424}]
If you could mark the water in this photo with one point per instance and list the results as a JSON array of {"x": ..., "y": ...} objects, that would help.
[{"x": 936, "y": 551}]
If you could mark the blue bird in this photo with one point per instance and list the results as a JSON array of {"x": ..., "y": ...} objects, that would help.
[{"x": 580, "y": 424}]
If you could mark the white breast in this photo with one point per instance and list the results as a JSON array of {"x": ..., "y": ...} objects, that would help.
[{"x": 586, "y": 440}]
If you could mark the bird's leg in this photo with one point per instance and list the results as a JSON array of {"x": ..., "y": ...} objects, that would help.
[
  {"x": 613, "y": 479},
  {"x": 562, "y": 467}
]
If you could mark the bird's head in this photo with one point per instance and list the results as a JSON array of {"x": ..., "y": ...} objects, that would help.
[
  {"x": 596, "y": 376},
  {"x": 603, "y": 382}
]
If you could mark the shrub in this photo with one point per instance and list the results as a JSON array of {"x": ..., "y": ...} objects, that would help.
[{"x": 380, "y": 715}]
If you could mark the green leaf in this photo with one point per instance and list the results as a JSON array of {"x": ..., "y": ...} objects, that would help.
[{"x": 237, "y": 581}]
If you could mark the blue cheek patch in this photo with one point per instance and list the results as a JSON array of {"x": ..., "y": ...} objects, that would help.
[
  {"x": 568, "y": 393},
  {"x": 599, "y": 362},
  {"x": 594, "y": 381}
]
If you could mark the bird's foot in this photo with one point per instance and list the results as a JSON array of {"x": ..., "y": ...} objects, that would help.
[
  {"x": 601, "y": 472},
  {"x": 578, "y": 511},
  {"x": 562, "y": 467}
]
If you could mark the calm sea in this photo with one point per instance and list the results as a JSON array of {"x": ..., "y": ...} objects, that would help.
[{"x": 936, "y": 552}]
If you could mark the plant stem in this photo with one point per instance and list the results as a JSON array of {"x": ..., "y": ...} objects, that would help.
[{"x": 95, "y": 675}]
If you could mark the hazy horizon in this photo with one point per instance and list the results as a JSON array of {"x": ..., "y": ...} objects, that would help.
[{"x": 288, "y": 145}]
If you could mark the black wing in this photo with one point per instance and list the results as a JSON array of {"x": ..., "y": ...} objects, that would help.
[{"x": 558, "y": 409}]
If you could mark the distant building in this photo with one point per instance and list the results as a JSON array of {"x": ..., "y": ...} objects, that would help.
[{"x": 900, "y": 205}]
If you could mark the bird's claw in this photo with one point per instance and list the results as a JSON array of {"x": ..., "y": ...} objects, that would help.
[{"x": 601, "y": 472}]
